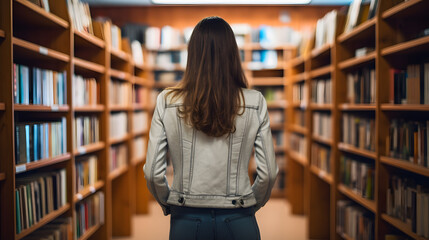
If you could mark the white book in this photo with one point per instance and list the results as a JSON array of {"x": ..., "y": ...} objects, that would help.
[
  {"x": 153, "y": 38},
  {"x": 63, "y": 187},
  {"x": 137, "y": 52}
]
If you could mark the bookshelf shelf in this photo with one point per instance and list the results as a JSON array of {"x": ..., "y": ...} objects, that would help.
[
  {"x": 405, "y": 165},
  {"x": 357, "y": 62},
  {"x": 93, "y": 147},
  {"x": 36, "y": 52},
  {"x": 118, "y": 172},
  {"x": 298, "y": 129},
  {"x": 269, "y": 81},
  {"x": 88, "y": 233},
  {"x": 280, "y": 104},
  {"x": 88, "y": 190},
  {"x": 277, "y": 126},
  {"x": 2, "y": 176},
  {"x": 413, "y": 46},
  {"x": 137, "y": 107},
  {"x": 279, "y": 149},
  {"x": 406, "y": 8},
  {"x": 40, "y": 108},
  {"x": 352, "y": 149},
  {"x": 137, "y": 161},
  {"x": 257, "y": 46},
  {"x": 89, "y": 108},
  {"x": 139, "y": 68},
  {"x": 301, "y": 106},
  {"x": 2, "y": 33},
  {"x": 119, "y": 140},
  {"x": 345, "y": 236},
  {"x": 119, "y": 108},
  {"x": 322, "y": 51},
  {"x": 321, "y": 107},
  {"x": 119, "y": 55},
  {"x": 297, "y": 61},
  {"x": 405, "y": 107},
  {"x": 369, "y": 204},
  {"x": 248, "y": 65},
  {"x": 164, "y": 84},
  {"x": 322, "y": 140},
  {"x": 82, "y": 65},
  {"x": 401, "y": 226},
  {"x": 119, "y": 74},
  {"x": 322, "y": 71},
  {"x": 325, "y": 176},
  {"x": 84, "y": 39},
  {"x": 364, "y": 31},
  {"x": 23, "y": 9},
  {"x": 357, "y": 107},
  {"x": 299, "y": 77},
  {"x": 298, "y": 158},
  {"x": 141, "y": 81},
  {"x": 51, "y": 216},
  {"x": 139, "y": 133},
  {"x": 2, "y": 106},
  {"x": 21, "y": 168}
]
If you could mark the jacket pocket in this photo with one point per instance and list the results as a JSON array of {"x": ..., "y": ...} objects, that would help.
[
  {"x": 184, "y": 228},
  {"x": 243, "y": 227}
]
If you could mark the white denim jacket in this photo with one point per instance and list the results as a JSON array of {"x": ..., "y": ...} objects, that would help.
[{"x": 210, "y": 172}]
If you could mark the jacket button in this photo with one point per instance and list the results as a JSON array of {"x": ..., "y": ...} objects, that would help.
[
  {"x": 241, "y": 201},
  {"x": 234, "y": 202},
  {"x": 180, "y": 200}
]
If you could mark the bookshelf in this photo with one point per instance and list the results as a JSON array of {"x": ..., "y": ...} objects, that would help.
[
  {"x": 370, "y": 50},
  {"x": 84, "y": 57}
]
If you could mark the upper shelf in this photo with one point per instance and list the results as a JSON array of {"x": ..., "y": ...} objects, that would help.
[
  {"x": 34, "y": 52},
  {"x": 413, "y": 46},
  {"x": 87, "y": 40},
  {"x": 406, "y": 8},
  {"x": 267, "y": 81},
  {"x": 2, "y": 33},
  {"x": 119, "y": 55},
  {"x": 405, "y": 107},
  {"x": 361, "y": 32},
  {"x": 357, "y": 62},
  {"x": 26, "y": 12},
  {"x": 322, "y": 51}
]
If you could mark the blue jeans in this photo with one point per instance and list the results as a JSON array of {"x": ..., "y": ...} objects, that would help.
[{"x": 213, "y": 224}]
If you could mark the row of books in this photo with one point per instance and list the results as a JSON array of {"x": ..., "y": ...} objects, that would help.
[
  {"x": 354, "y": 221},
  {"x": 38, "y": 195},
  {"x": 299, "y": 117},
  {"x": 36, "y": 141},
  {"x": 140, "y": 145},
  {"x": 140, "y": 95},
  {"x": 358, "y": 131},
  {"x": 276, "y": 116},
  {"x": 116, "y": 37},
  {"x": 360, "y": 11},
  {"x": 39, "y": 86},
  {"x": 326, "y": 29},
  {"x": 86, "y": 91},
  {"x": 119, "y": 93},
  {"x": 42, "y": 3},
  {"x": 361, "y": 86},
  {"x": 87, "y": 130},
  {"x": 321, "y": 91},
  {"x": 272, "y": 36},
  {"x": 409, "y": 140},
  {"x": 80, "y": 16},
  {"x": 137, "y": 53},
  {"x": 263, "y": 59},
  {"x": 168, "y": 77},
  {"x": 278, "y": 138},
  {"x": 86, "y": 172},
  {"x": 358, "y": 176},
  {"x": 299, "y": 93},
  {"x": 166, "y": 37},
  {"x": 118, "y": 124},
  {"x": 58, "y": 229},
  {"x": 118, "y": 156},
  {"x": 168, "y": 60},
  {"x": 409, "y": 202},
  {"x": 140, "y": 121},
  {"x": 321, "y": 157},
  {"x": 322, "y": 124},
  {"x": 298, "y": 144},
  {"x": 410, "y": 86},
  {"x": 89, "y": 213}
]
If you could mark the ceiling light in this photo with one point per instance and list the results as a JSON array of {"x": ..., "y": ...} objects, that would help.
[{"x": 234, "y": 2}]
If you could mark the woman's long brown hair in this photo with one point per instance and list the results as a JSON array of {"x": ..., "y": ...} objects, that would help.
[{"x": 211, "y": 87}]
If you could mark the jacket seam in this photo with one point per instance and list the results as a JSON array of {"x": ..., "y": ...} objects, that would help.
[
  {"x": 245, "y": 133},
  {"x": 229, "y": 163},
  {"x": 191, "y": 174},
  {"x": 181, "y": 151}
]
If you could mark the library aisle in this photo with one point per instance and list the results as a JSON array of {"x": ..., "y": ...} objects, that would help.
[{"x": 275, "y": 220}]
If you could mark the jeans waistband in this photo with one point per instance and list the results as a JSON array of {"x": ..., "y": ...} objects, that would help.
[{"x": 210, "y": 211}]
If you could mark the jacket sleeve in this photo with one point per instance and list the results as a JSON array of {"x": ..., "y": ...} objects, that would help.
[
  {"x": 266, "y": 167},
  {"x": 156, "y": 164}
]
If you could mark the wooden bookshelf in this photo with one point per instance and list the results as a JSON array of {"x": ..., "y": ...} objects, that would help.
[
  {"x": 322, "y": 140},
  {"x": 361, "y": 32},
  {"x": 406, "y": 8},
  {"x": 327, "y": 177},
  {"x": 41, "y": 163},
  {"x": 88, "y": 40},
  {"x": 352, "y": 149},
  {"x": 23, "y": 9},
  {"x": 405, "y": 107},
  {"x": 297, "y": 129},
  {"x": 356, "y": 107},
  {"x": 405, "y": 165},
  {"x": 118, "y": 172},
  {"x": 84, "y": 65},
  {"x": 93, "y": 147},
  {"x": 410, "y": 47},
  {"x": 33, "y": 51},
  {"x": 321, "y": 107},
  {"x": 88, "y": 190},
  {"x": 322, "y": 71},
  {"x": 298, "y": 158},
  {"x": 117, "y": 74},
  {"x": 90, "y": 108},
  {"x": 2, "y": 176},
  {"x": 398, "y": 224},
  {"x": 368, "y": 204},
  {"x": 2, "y": 33},
  {"x": 2, "y": 107},
  {"x": 40, "y": 108},
  {"x": 88, "y": 233},
  {"x": 273, "y": 81},
  {"x": 357, "y": 62},
  {"x": 46, "y": 219}
]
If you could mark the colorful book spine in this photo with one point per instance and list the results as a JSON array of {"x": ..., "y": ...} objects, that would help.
[
  {"x": 354, "y": 222},
  {"x": 358, "y": 176},
  {"x": 89, "y": 213},
  {"x": 37, "y": 195},
  {"x": 298, "y": 144},
  {"x": 140, "y": 95},
  {"x": 358, "y": 131},
  {"x": 36, "y": 141},
  {"x": 299, "y": 94},
  {"x": 86, "y": 91},
  {"x": 322, "y": 125},
  {"x": 39, "y": 86},
  {"x": 86, "y": 172},
  {"x": 87, "y": 130},
  {"x": 321, "y": 91},
  {"x": 118, "y": 156},
  {"x": 410, "y": 85},
  {"x": 361, "y": 86}
]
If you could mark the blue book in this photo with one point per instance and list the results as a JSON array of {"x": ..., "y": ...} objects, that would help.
[
  {"x": 27, "y": 143},
  {"x": 25, "y": 80},
  {"x": 46, "y": 143},
  {"x": 20, "y": 84},
  {"x": 16, "y": 83},
  {"x": 18, "y": 212},
  {"x": 36, "y": 142},
  {"x": 42, "y": 140},
  {"x": 64, "y": 77},
  {"x": 34, "y": 83}
]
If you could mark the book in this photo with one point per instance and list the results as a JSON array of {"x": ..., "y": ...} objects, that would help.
[
  {"x": 358, "y": 176},
  {"x": 140, "y": 95},
  {"x": 58, "y": 229},
  {"x": 80, "y": 15},
  {"x": 321, "y": 157},
  {"x": 41, "y": 3},
  {"x": 118, "y": 124},
  {"x": 116, "y": 37},
  {"x": 358, "y": 131},
  {"x": 140, "y": 121},
  {"x": 118, "y": 156},
  {"x": 39, "y": 194},
  {"x": 89, "y": 213},
  {"x": 86, "y": 172},
  {"x": 354, "y": 221},
  {"x": 86, "y": 91},
  {"x": 299, "y": 94},
  {"x": 373, "y": 7},
  {"x": 40, "y": 140},
  {"x": 137, "y": 53},
  {"x": 361, "y": 86},
  {"x": 298, "y": 144},
  {"x": 326, "y": 29},
  {"x": 278, "y": 138},
  {"x": 321, "y": 91},
  {"x": 322, "y": 125},
  {"x": 87, "y": 130},
  {"x": 410, "y": 85},
  {"x": 140, "y": 145},
  {"x": 352, "y": 15},
  {"x": 119, "y": 93}
]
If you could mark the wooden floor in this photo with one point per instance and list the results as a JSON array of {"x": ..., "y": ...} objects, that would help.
[{"x": 275, "y": 223}]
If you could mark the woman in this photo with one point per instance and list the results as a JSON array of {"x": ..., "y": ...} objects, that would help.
[{"x": 210, "y": 124}]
